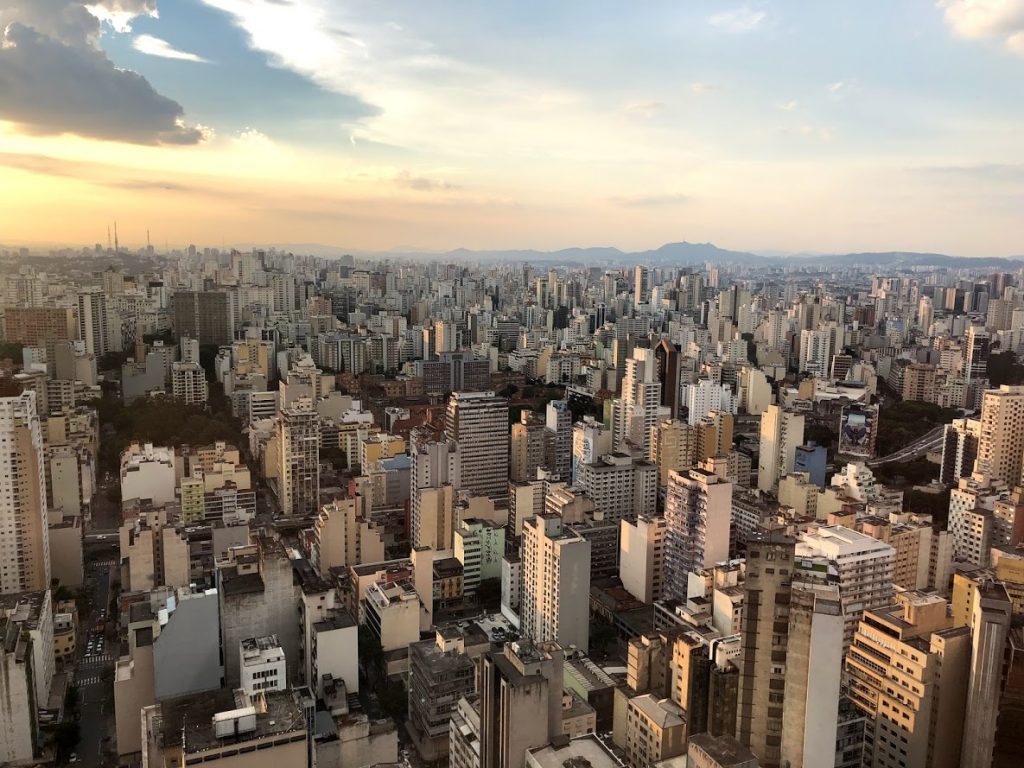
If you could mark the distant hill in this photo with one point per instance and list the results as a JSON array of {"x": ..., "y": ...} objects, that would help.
[{"x": 670, "y": 254}]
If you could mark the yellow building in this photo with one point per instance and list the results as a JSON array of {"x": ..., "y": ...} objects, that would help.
[{"x": 908, "y": 670}]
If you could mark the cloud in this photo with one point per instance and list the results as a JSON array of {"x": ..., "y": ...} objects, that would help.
[
  {"x": 738, "y": 20},
  {"x": 651, "y": 200},
  {"x": 154, "y": 46},
  {"x": 421, "y": 183},
  {"x": 703, "y": 87},
  {"x": 49, "y": 87},
  {"x": 789, "y": 106},
  {"x": 55, "y": 79},
  {"x": 644, "y": 108},
  {"x": 120, "y": 13},
  {"x": 987, "y": 19}
]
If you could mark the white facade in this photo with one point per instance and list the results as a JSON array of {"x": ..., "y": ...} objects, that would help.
[
  {"x": 556, "y": 583},
  {"x": 782, "y": 432},
  {"x": 865, "y": 567},
  {"x": 641, "y": 549},
  {"x": 147, "y": 472},
  {"x": 188, "y": 383},
  {"x": 706, "y": 396}
]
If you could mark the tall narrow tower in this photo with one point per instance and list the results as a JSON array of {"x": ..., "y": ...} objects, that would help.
[{"x": 24, "y": 540}]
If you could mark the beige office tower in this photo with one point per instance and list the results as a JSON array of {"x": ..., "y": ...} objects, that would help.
[
  {"x": 556, "y": 581},
  {"x": 782, "y": 432},
  {"x": 478, "y": 422},
  {"x": 520, "y": 690},
  {"x": 24, "y": 539},
  {"x": 990, "y": 624},
  {"x": 907, "y": 672},
  {"x": 791, "y": 660},
  {"x": 714, "y": 435},
  {"x": 1001, "y": 445},
  {"x": 298, "y": 446}
]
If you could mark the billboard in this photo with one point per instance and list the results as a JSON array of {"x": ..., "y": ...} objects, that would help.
[{"x": 857, "y": 431}]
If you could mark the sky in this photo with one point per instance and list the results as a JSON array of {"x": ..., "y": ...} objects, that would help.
[{"x": 830, "y": 126}]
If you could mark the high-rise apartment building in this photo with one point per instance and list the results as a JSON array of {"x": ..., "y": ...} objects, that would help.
[
  {"x": 434, "y": 476},
  {"x": 520, "y": 701},
  {"x": 188, "y": 383},
  {"x": 93, "y": 323},
  {"x": 959, "y": 449},
  {"x": 641, "y": 557},
  {"x": 1001, "y": 443},
  {"x": 620, "y": 486},
  {"x": 558, "y": 434},
  {"x": 203, "y": 315},
  {"x": 38, "y": 326},
  {"x": 864, "y": 565},
  {"x": 791, "y": 659},
  {"x": 907, "y": 674},
  {"x": 478, "y": 422},
  {"x": 556, "y": 572},
  {"x": 782, "y": 432},
  {"x": 815, "y": 352},
  {"x": 528, "y": 443},
  {"x": 698, "y": 509},
  {"x": 24, "y": 539},
  {"x": 635, "y": 411},
  {"x": 673, "y": 448},
  {"x": 919, "y": 382},
  {"x": 298, "y": 446},
  {"x": 991, "y": 614}
]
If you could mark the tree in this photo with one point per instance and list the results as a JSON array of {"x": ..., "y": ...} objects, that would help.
[
  {"x": 602, "y": 634},
  {"x": 11, "y": 350}
]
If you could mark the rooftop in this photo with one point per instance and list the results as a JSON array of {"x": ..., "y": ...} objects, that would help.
[{"x": 189, "y": 719}]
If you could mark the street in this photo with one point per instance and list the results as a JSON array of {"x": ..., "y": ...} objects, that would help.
[
  {"x": 95, "y": 658},
  {"x": 919, "y": 447}
]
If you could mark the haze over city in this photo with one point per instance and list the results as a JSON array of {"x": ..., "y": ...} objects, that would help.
[{"x": 760, "y": 126}]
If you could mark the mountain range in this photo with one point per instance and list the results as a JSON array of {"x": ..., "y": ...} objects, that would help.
[{"x": 675, "y": 254}]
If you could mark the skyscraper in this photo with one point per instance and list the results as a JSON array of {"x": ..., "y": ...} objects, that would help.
[
  {"x": 791, "y": 660},
  {"x": 298, "y": 446},
  {"x": 520, "y": 701},
  {"x": 781, "y": 432},
  {"x": 907, "y": 673},
  {"x": 1001, "y": 443},
  {"x": 93, "y": 322},
  {"x": 698, "y": 508},
  {"x": 556, "y": 573},
  {"x": 990, "y": 624},
  {"x": 203, "y": 315},
  {"x": 635, "y": 411},
  {"x": 478, "y": 422},
  {"x": 24, "y": 539}
]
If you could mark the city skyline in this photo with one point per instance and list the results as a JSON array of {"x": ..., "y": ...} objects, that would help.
[{"x": 761, "y": 126}]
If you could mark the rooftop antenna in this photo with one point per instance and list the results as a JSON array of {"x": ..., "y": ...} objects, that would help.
[
  {"x": 148, "y": 245},
  {"x": 117, "y": 247},
  {"x": 108, "y": 237}
]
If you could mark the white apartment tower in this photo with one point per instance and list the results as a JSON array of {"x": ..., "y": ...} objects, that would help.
[
  {"x": 636, "y": 409},
  {"x": 782, "y": 432},
  {"x": 24, "y": 539},
  {"x": 815, "y": 352},
  {"x": 556, "y": 583}
]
